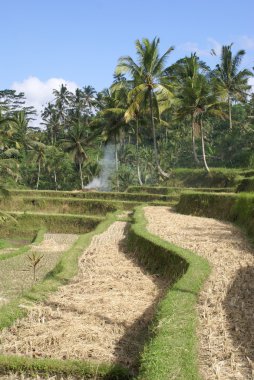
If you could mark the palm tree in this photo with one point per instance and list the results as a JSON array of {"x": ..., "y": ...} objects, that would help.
[
  {"x": 110, "y": 120},
  {"x": 184, "y": 74},
  {"x": 38, "y": 150},
  {"x": 150, "y": 82},
  {"x": 51, "y": 120},
  {"x": 23, "y": 134},
  {"x": 63, "y": 98},
  {"x": 197, "y": 99},
  {"x": 232, "y": 83},
  {"x": 89, "y": 94},
  {"x": 75, "y": 143}
]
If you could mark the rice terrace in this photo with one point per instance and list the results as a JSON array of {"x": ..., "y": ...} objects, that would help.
[
  {"x": 131, "y": 286},
  {"x": 126, "y": 213}
]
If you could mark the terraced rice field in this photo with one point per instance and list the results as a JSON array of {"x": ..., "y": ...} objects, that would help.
[
  {"x": 226, "y": 304},
  {"x": 102, "y": 315},
  {"x": 16, "y": 275}
]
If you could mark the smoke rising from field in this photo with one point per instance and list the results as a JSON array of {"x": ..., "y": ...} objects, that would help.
[{"x": 107, "y": 168}]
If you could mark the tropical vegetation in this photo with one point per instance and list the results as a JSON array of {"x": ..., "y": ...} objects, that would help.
[{"x": 158, "y": 114}]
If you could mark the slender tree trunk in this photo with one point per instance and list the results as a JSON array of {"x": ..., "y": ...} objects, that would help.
[
  {"x": 203, "y": 146},
  {"x": 194, "y": 148},
  {"x": 156, "y": 156},
  {"x": 52, "y": 135},
  {"x": 230, "y": 112},
  {"x": 116, "y": 162},
  {"x": 39, "y": 173},
  {"x": 81, "y": 175},
  {"x": 55, "y": 179},
  {"x": 137, "y": 153},
  {"x": 153, "y": 129}
]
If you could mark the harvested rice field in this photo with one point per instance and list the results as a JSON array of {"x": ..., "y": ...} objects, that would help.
[
  {"x": 16, "y": 274},
  {"x": 102, "y": 315},
  {"x": 226, "y": 303}
]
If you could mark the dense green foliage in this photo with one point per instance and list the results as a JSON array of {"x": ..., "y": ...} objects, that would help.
[{"x": 154, "y": 117}]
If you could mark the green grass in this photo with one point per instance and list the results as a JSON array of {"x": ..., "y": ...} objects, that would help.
[
  {"x": 175, "y": 190},
  {"x": 28, "y": 223},
  {"x": 171, "y": 352},
  {"x": 78, "y": 369},
  {"x": 5, "y": 244},
  {"x": 96, "y": 195}
]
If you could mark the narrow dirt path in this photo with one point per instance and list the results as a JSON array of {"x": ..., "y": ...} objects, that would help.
[
  {"x": 16, "y": 276},
  {"x": 226, "y": 304},
  {"x": 102, "y": 315}
]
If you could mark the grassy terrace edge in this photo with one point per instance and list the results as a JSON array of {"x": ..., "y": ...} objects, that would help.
[
  {"x": 36, "y": 240},
  {"x": 236, "y": 208},
  {"x": 171, "y": 352},
  {"x": 65, "y": 270},
  {"x": 29, "y": 222},
  {"x": 117, "y": 196}
]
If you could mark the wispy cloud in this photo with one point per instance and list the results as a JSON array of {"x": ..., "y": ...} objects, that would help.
[
  {"x": 38, "y": 93},
  {"x": 194, "y": 47},
  {"x": 246, "y": 42}
]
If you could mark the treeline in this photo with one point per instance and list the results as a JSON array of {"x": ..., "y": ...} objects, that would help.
[{"x": 158, "y": 117}]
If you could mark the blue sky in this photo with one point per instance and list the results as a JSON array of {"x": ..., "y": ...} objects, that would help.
[{"x": 44, "y": 42}]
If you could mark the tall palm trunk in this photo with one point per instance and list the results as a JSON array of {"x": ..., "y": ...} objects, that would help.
[
  {"x": 137, "y": 153},
  {"x": 81, "y": 175},
  {"x": 156, "y": 156},
  {"x": 203, "y": 146},
  {"x": 153, "y": 129},
  {"x": 55, "y": 179},
  {"x": 194, "y": 148},
  {"x": 38, "y": 175},
  {"x": 116, "y": 163},
  {"x": 230, "y": 112}
]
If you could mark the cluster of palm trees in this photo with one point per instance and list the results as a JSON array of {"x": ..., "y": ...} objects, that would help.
[
  {"x": 151, "y": 113},
  {"x": 189, "y": 90}
]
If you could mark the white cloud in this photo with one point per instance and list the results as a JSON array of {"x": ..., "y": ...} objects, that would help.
[
  {"x": 246, "y": 42},
  {"x": 193, "y": 47},
  {"x": 39, "y": 93}
]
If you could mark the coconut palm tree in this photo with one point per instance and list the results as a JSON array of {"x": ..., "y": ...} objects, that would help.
[
  {"x": 63, "y": 98},
  {"x": 89, "y": 95},
  {"x": 110, "y": 121},
  {"x": 184, "y": 75},
  {"x": 51, "y": 120},
  {"x": 197, "y": 99},
  {"x": 23, "y": 134},
  {"x": 75, "y": 143},
  {"x": 150, "y": 82},
  {"x": 38, "y": 152},
  {"x": 232, "y": 82}
]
